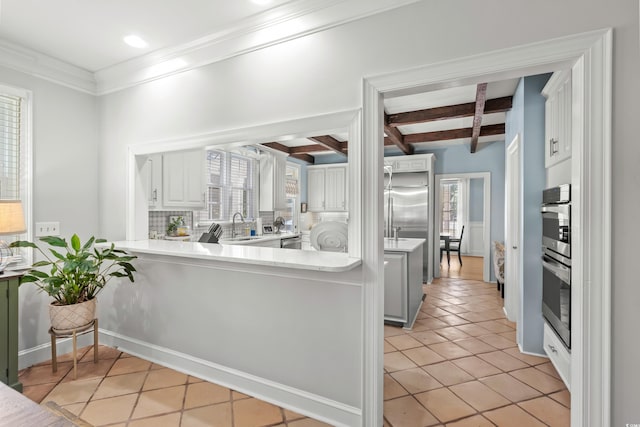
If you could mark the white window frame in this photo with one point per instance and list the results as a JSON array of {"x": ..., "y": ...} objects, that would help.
[
  {"x": 26, "y": 169},
  {"x": 225, "y": 188}
]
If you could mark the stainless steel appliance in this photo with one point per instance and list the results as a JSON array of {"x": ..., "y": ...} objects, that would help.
[
  {"x": 291, "y": 242},
  {"x": 406, "y": 208},
  {"x": 556, "y": 260}
]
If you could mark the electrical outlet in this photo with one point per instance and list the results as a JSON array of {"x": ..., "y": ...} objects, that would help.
[{"x": 47, "y": 229}]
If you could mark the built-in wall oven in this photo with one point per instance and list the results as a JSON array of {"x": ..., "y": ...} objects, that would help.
[{"x": 556, "y": 260}]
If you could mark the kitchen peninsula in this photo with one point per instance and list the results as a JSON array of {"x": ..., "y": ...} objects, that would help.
[
  {"x": 403, "y": 292},
  {"x": 246, "y": 317}
]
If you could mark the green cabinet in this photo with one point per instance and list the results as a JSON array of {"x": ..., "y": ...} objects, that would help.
[{"x": 9, "y": 329}]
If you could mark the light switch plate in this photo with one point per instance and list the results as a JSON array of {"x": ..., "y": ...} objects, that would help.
[{"x": 47, "y": 229}]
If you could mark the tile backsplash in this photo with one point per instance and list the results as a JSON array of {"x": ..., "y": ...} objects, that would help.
[{"x": 159, "y": 220}]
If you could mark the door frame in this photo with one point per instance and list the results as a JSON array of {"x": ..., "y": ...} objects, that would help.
[
  {"x": 512, "y": 302},
  {"x": 486, "y": 220},
  {"x": 591, "y": 52}
]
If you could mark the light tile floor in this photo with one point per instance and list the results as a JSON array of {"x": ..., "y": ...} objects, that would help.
[
  {"x": 460, "y": 366},
  {"x": 123, "y": 390}
]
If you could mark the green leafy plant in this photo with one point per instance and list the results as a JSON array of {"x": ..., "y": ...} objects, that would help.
[
  {"x": 172, "y": 229},
  {"x": 81, "y": 273}
]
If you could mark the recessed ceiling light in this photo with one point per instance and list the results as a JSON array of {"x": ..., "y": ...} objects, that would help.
[
  {"x": 135, "y": 41},
  {"x": 261, "y": 2}
]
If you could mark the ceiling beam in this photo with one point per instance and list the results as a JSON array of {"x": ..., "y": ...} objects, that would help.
[
  {"x": 481, "y": 98},
  {"x": 277, "y": 146},
  {"x": 496, "y": 105},
  {"x": 330, "y": 143},
  {"x": 397, "y": 137},
  {"x": 444, "y": 135},
  {"x": 302, "y": 149},
  {"x": 304, "y": 157}
]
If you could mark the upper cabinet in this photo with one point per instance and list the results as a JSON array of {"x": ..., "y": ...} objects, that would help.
[
  {"x": 273, "y": 171},
  {"x": 152, "y": 180},
  {"x": 183, "y": 179},
  {"x": 415, "y": 163},
  {"x": 327, "y": 188},
  {"x": 557, "y": 118}
]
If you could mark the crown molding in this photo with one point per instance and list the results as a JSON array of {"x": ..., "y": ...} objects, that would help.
[
  {"x": 280, "y": 24},
  {"x": 277, "y": 25},
  {"x": 46, "y": 67}
]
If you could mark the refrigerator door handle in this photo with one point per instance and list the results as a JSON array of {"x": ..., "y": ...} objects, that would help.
[{"x": 391, "y": 219}]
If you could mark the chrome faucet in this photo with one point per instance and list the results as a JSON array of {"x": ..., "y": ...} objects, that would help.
[{"x": 233, "y": 229}]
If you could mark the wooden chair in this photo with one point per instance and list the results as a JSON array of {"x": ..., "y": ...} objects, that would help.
[{"x": 454, "y": 246}]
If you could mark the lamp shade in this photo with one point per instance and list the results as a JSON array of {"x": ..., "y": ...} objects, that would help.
[{"x": 11, "y": 217}]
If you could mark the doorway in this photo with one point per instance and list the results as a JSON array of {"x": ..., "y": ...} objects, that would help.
[
  {"x": 478, "y": 232},
  {"x": 591, "y": 57}
]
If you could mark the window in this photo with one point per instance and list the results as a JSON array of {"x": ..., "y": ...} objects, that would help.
[
  {"x": 230, "y": 187},
  {"x": 452, "y": 206},
  {"x": 14, "y": 159}
]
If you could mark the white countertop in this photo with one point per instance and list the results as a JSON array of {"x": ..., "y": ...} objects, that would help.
[
  {"x": 256, "y": 239},
  {"x": 276, "y": 257},
  {"x": 402, "y": 244}
]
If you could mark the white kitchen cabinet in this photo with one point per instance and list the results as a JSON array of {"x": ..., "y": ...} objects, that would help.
[
  {"x": 273, "y": 171},
  {"x": 327, "y": 188},
  {"x": 315, "y": 189},
  {"x": 183, "y": 179},
  {"x": 557, "y": 118},
  {"x": 558, "y": 354},
  {"x": 415, "y": 163},
  {"x": 152, "y": 177}
]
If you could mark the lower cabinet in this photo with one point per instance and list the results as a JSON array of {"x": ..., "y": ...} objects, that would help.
[
  {"x": 403, "y": 292},
  {"x": 558, "y": 354},
  {"x": 9, "y": 330},
  {"x": 395, "y": 287}
]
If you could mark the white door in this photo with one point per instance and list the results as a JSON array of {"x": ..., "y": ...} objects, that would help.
[{"x": 512, "y": 260}]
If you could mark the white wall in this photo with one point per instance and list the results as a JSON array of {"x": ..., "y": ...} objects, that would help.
[
  {"x": 65, "y": 178},
  {"x": 322, "y": 73}
]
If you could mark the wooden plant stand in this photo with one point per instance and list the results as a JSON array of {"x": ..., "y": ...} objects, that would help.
[{"x": 93, "y": 326}]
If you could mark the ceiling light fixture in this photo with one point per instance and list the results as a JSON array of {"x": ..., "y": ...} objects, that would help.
[{"x": 135, "y": 41}]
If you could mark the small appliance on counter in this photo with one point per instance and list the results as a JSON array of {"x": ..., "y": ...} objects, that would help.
[
  {"x": 212, "y": 235},
  {"x": 278, "y": 224}
]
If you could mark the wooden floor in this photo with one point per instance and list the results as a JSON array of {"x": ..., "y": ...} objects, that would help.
[{"x": 470, "y": 269}]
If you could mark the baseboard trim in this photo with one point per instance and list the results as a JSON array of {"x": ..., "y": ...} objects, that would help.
[
  {"x": 42, "y": 352},
  {"x": 309, "y": 404}
]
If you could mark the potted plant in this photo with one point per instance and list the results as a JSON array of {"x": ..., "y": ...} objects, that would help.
[{"x": 75, "y": 278}]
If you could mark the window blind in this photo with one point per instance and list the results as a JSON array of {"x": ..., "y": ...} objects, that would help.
[
  {"x": 230, "y": 187},
  {"x": 10, "y": 110}
]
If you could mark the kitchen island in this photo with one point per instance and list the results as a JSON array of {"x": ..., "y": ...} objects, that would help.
[
  {"x": 403, "y": 294},
  {"x": 254, "y": 319}
]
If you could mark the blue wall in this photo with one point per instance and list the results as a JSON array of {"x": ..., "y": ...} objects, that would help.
[
  {"x": 527, "y": 119},
  {"x": 476, "y": 199},
  {"x": 488, "y": 158}
]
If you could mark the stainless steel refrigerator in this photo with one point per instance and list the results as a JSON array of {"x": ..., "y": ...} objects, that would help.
[{"x": 406, "y": 205}]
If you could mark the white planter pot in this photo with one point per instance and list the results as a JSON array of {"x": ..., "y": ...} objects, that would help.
[{"x": 66, "y": 318}]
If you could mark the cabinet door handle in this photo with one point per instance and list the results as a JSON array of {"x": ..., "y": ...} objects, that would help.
[
  {"x": 155, "y": 195},
  {"x": 552, "y": 348},
  {"x": 553, "y": 146}
]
